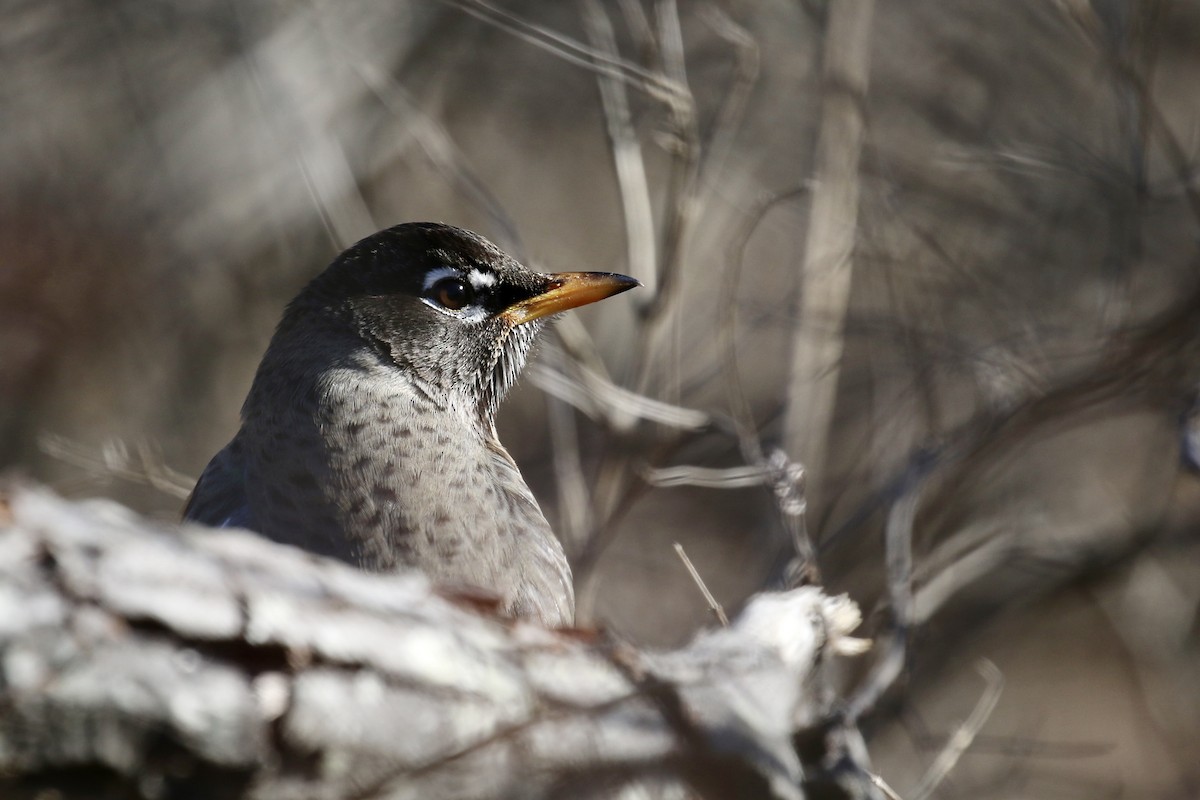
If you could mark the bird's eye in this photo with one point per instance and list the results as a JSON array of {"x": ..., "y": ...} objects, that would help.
[{"x": 452, "y": 293}]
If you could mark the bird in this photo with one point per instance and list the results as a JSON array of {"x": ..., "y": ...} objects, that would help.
[{"x": 368, "y": 433}]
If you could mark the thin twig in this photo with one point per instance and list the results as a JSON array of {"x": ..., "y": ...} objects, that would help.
[
  {"x": 962, "y": 738},
  {"x": 713, "y": 605}
]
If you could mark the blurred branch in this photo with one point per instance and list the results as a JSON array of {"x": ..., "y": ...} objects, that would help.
[
  {"x": 577, "y": 523},
  {"x": 1152, "y": 364},
  {"x": 792, "y": 502},
  {"x": 708, "y": 478},
  {"x": 682, "y": 142},
  {"x": 961, "y": 560},
  {"x": 440, "y": 149},
  {"x": 618, "y": 408},
  {"x": 144, "y": 465},
  {"x": 639, "y": 27},
  {"x": 827, "y": 269},
  {"x": 614, "y": 483},
  {"x": 322, "y": 160},
  {"x": 576, "y": 340},
  {"x": 577, "y": 351},
  {"x": 572, "y": 51},
  {"x": 882, "y": 786},
  {"x": 898, "y": 549},
  {"x": 695, "y": 165},
  {"x": 747, "y": 65},
  {"x": 868, "y": 783},
  {"x": 626, "y": 153}
]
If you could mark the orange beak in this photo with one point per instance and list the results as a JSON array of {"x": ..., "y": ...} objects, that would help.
[{"x": 568, "y": 290}]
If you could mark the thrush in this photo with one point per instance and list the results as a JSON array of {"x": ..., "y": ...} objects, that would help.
[{"x": 369, "y": 431}]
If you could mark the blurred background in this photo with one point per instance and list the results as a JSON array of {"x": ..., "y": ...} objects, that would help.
[{"x": 941, "y": 254}]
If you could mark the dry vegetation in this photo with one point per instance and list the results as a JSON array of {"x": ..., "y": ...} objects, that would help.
[{"x": 941, "y": 254}]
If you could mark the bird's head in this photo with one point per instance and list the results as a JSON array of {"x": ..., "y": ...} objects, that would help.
[{"x": 446, "y": 307}]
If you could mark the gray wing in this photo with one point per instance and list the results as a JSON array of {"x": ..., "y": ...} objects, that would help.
[
  {"x": 544, "y": 589},
  {"x": 219, "y": 498}
]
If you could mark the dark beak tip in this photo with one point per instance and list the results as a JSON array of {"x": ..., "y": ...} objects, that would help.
[
  {"x": 614, "y": 283},
  {"x": 625, "y": 283}
]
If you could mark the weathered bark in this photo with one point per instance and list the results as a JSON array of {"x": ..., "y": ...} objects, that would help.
[{"x": 150, "y": 660}]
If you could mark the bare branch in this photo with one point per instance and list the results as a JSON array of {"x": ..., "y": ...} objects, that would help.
[
  {"x": 572, "y": 51},
  {"x": 962, "y": 738},
  {"x": 898, "y": 547},
  {"x": 829, "y": 245},
  {"x": 632, "y": 182},
  {"x": 869, "y": 783},
  {"x": 733, "y": 105},
  {"x": 958, "y": 562},
  {"x": 574, "y": 496},
  {"x": 706, "y": 477},
  {"x": 882, "y": 785},
  {"x": 604, "y": 401},
  {"x": 440, "y": 149},
  {"x": 682, "y": 204},
  {"x": 324, "y": 166},
  {"x": 792, "y": 503}
]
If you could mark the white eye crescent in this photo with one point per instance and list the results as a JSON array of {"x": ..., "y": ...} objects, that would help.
[{"x": 456, "y": 291}]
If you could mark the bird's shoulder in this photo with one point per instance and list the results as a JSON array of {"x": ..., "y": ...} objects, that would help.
[
  {"x": 508, "y": 479},
  {"x": 219, "y": 498}
]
